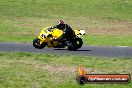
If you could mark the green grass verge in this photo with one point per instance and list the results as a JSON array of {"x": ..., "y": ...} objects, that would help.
[
  {"x": 16, "y": 38},
  {"x": 108, "y": 40},
  {"x": 110, "y": 9},
  {"x": 18, "y": 70}
]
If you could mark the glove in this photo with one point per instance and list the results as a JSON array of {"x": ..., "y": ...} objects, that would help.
[{"x": 50, "y": 28}]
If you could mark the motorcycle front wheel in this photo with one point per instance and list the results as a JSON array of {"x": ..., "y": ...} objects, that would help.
[{"x": 36, "y": 44}]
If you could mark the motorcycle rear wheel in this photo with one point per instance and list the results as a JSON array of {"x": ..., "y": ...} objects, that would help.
[
  {"x": 79, "y": 42},
  {"x": 72, "y": 47},
  {"x": 76, "y": 44}
]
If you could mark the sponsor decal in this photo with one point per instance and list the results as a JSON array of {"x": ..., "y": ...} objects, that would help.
[{"x": 83, "y": 78}]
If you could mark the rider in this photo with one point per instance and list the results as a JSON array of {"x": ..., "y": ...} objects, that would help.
[{"x": 68, "y": 33}]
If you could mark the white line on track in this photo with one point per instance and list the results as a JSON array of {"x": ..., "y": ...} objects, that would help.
[{"x": 122, "y": 46}]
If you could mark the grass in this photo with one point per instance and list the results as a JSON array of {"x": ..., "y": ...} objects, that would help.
[
  {"x": 53, "y": 71},
  {"x": 20, "y": 20},
  {"x": 115, "y": 9},
  {"x": 109, "y": 40}
]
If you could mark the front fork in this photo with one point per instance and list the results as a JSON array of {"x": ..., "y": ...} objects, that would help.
[{"x": 41, "y": 40}]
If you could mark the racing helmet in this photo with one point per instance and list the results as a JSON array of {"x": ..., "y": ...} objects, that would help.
[{"x": 61, "y": 24}]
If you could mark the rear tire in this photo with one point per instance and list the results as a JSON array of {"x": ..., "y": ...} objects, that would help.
[
  {"x": 36, "y": 44},
  {"x": 72, "y": 47},
  {"x": 76, "y": 44},
  {"x": 79, "y": 42}
]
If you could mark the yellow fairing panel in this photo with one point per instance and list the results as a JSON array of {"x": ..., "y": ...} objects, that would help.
[{"x": 57, "y": 33}]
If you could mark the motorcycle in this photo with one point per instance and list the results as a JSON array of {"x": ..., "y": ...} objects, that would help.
[{"x": 46, "y": 38}]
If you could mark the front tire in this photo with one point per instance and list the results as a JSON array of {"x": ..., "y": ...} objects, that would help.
[{"x": 36, "y": 44}]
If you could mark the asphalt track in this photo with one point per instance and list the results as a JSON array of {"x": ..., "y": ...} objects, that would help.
[{"x": 103, "y": 51}]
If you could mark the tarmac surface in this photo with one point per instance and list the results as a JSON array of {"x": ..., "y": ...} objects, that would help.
[{"x": 103, "y": 51}]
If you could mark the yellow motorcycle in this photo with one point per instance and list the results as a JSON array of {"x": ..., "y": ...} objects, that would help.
[{"x": 46, "y": 38}]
